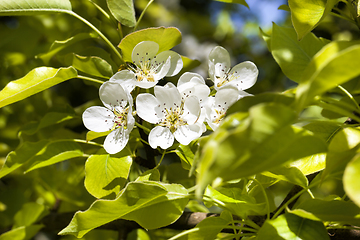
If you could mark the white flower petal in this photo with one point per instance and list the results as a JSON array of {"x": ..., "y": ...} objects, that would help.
[
  {"x": 145, "y": 107},
  {"x": 116, "y": 141},
  {"x": 161, "y": 136},
  {"x": 145, "y": 84},
  {"x": 176, "y": 62},
  {"x": 144, "y": 51},
  {"x": 112, "y": 94},
  {"x": 126, "y": 78},
  {"x": 225, "y": 97},
  {"x": 219, "y": 59},
  {"x": 192, "y": 110},
  {"x": 190, "y": 77},
  {"x": 98, "y": 119},
  {"x": 161, "y": 67},
  {"x": 187, "y": 133},
  {"x": 168, "y": 95},
  {"x": 246, "y": 74}
]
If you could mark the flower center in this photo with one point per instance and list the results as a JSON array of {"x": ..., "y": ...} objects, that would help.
[
  {"x": 145, "y": 69},
  {"x": 226, "y": 76},
  {"x": 220, "y": 114},
  {"x": 120, "y": 117},
  {"x": 173, "y": 118}
]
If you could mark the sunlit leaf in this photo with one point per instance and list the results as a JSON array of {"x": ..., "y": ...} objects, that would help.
[
  {"x": 40, "y": 154},
  {"x": 329, "y": 211},
  {"x": 21, "y": 233},
  {"x": 123, "y": 11},
  {"x": 35, "y": 81},
  {"x": 235, "y": 201},
  {"x": 306, "y": 15},
  {"x": 105, "y": 174},
  {"x": 289, "y": 174},
  {"x": 290, "y": 226},
  {"x": 167, "y": 38},
  {"x": 334, "y": 65},
  {"x": 351, "y": 180},
  {"x": 90, "y": 135},
  {"x": 31, "y": 7},
  {"x": 263, "y": 141},
  {"x": 242, "y": 2},
  {"x": 151, "y": 204},
  {"x": 292, "y": 55}
]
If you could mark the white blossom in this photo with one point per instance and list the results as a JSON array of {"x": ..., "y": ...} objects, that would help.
[
  {"x": 242, "y": 76},
  {"x": 175, "y": 117},
  {"x": 148, "y": 66},
  {"x": 216, "y": 106},
  {"x": 116, "y": 116}
]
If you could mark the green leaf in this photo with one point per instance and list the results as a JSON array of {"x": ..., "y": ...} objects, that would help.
[
  {"x": 167, "y": 38},
  {"x": 261, "y": 142},
  {"x": 32, "y": 7},
  {"x": 123, "y": 11},
  {"x": 151, "y": 204},
  {"x": 90, "y": 135},
  {"x": 50, "y": 118},
  {"x": 40, "y": 154},
  {"x": 324, "y": 130},
  {"x": 149, "y": 175},
  {"x": 306, "y": 15},
  {"x": 289, "y": 174},
  {"x": 237, "y": 203},
  {"x": 292, "y": 55},
  {"x": 329, "y": 211},
  {"x": 35, "y": 81},
  {"x": 290, "y": 226},
  {"x": 29, "y": 214},
  {"x": 334, "y": 65},
  {"x": 91, "y": 65},
  {"x": 242, "y": 2},
  {"x": 351, "y": 180},
  {"x": 209, "y": 228},
  {"x": 58, "y": 46},
  {"x": 106, "y": 175},
  {"x": 21, "y": 233}
]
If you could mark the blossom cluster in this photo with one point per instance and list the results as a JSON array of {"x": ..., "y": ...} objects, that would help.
[{"x": 177, "y": 112}]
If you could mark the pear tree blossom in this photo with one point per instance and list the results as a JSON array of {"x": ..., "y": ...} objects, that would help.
[
  {"x": 216, "y": 106},
  {"x": 193, "y": 84},
  {"x": 116, "y": 116},
  {"x": 175, "y": 117},
  {"x": 148, "y": 66},
  {"x": 242, "y": 76}
]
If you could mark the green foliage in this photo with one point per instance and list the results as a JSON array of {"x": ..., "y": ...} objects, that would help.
[
  {"x": 290, "y": 226},
  {"x": 151, "y": 204},
  {"x": 242, "y": 167},
  {"x": 123, "y": 11},
  {"x": 35, "y": 81},
  {"x": 32, "y": 7}
]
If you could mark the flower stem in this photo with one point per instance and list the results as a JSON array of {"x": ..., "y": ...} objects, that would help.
[
  {"x": 162, "y": 157},
  {"x": 350, "y": 96},
  {"x": 265, "y": 196},
  {"x": 142, "y": 14},
  {"x": 142, "y": 127},
  {"x": 100, "y": 34},
  {"x": 87, "y": 142},
  {"x": 90, "y": 79}
]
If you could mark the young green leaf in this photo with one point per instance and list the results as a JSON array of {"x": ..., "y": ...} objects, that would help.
[
  {"x": 306, "y": 15},
  {"x": 290, "y": 226},
  {"x": 35, "y": 81},
  {"x": 209, "y": 228},
  {"x": 334, "y": 65},
  {"x": 25, "y": 232},
  {"x": 165, "y": 37},
  {"x": 32, "y": 7},
  {"x": 292, "y": 55},
  {"x": 123, "y": 11},
  {"x": 351, "y": 180},
  {"x": 106, "y": 175},
  {"x": 263, "y": 141},
  {"x": 242, "y": 2},
  {"x": 151, "y": 204}
]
